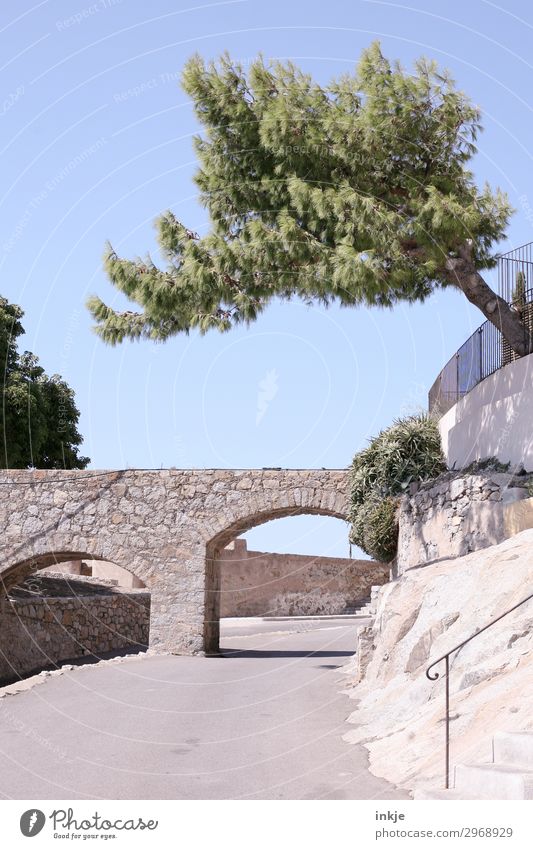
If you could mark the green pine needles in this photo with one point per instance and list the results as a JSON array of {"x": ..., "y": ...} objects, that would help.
[
  {"x": 357, "y": 192},
  {"x": 410, "y": 450}
]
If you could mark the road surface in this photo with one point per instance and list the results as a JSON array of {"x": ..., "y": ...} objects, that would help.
[{"x": 264, "y": 721}]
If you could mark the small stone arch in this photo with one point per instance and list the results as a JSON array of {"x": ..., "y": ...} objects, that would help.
[
  {"x": 17, "y": 572},
  {"x": 48, "y": 618},
  {"x": 235, "y": 528},
  {"x": 24, "y": 564}
]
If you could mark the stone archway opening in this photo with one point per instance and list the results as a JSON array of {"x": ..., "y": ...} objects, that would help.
[
  {"x": 276, "y": 584},
  {"x": 68, "y": 606},
  {"x": 157, "y": 524}
]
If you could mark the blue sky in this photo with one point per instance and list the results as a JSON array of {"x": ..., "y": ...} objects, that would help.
[{"x": 96, "y": 142}]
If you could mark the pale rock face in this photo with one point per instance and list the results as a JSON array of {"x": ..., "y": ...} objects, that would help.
[{"x": 419, "y": 617}]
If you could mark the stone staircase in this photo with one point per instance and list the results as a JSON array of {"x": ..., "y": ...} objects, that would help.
[
  {"x": 365, "y": 607},
  {"x": 509, "y": 776},
  {"x": 361, "y": 608}
]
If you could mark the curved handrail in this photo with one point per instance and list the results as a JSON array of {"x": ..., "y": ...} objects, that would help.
[
  {"x": 433, "y": 676},
  {"x": 484, "y": 352}
]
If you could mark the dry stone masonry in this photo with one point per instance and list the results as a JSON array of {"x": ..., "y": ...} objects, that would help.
[
  {"x": 44, "y": 632},
  {"x": 456, "y": 514},
  {"x": 166, "y": 527}
]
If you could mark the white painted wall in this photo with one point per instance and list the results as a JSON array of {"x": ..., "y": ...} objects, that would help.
[{"x": 495, "y": 419}]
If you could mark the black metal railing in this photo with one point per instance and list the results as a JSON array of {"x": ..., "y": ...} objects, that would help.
[
  {"x": 510, "y": 265},
  {"x": 433, "y": 676},
  {"x": 481, "y": 355}
]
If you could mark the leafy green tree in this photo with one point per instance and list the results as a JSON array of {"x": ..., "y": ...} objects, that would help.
[
  {"x": 38, "y": 425},
  {"x": 358, "y": 192}
]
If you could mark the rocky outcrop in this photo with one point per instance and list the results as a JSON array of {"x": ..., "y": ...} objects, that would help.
[{"x": 419, "y": 617}]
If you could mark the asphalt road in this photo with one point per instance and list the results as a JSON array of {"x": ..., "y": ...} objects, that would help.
[{"x": 264, "y": 721}]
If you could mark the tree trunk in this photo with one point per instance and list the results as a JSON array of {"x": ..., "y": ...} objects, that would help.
[{"x": 461, "y": 272}]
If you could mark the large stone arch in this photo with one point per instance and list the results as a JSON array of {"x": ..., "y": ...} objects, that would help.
[{"x": 161, "y": 525}]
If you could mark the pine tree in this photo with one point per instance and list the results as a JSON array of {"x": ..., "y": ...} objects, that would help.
[
  {"x": 358, "y": 192},
  {"x": 38, "y": 425}
]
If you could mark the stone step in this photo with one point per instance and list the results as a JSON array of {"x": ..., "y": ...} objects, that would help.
[
  {"x": 364, "y": 604},
  {"x": 494, "y": 781},
  {"x": 513, "y": 748},
  {"x": 443, "y": 795},
  {"x": 358, "y": 611},
  {"x": 352, "y": 611}
]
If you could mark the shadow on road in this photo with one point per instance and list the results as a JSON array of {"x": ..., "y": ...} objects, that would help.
[{"x": 272, "y": 653}]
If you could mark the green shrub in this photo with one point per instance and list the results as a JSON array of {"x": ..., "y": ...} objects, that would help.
[
  {"x": 488, "y": 464},
  {"x": 375, "y": 528},
  {"x": 410, "y": 450}
]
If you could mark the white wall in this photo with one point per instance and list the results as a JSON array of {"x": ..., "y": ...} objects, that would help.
[
  {"x": 103, "y": 569},
  {"x": 495, "y": 419},
  {"x": 98, "y": 569}
]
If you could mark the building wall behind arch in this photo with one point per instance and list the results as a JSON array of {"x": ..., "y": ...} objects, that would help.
[{"x": 98, "y": 569}]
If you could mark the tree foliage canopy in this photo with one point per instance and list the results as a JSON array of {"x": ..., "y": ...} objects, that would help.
[
  {"x": 357, "y": 192},
  {"x": 38, "y": 425}
]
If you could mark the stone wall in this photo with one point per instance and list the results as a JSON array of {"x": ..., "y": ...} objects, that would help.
[
  {"x": 257, "y": 583},
  {"x": 456, "y": 514},
  {"x": 41, "y": 633}
]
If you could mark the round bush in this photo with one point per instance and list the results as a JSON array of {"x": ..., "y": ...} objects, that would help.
[{"x": 410, "y": 450}]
